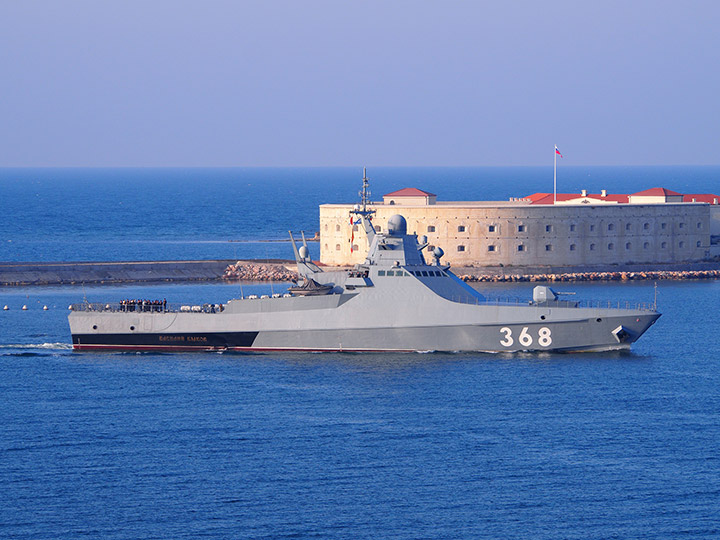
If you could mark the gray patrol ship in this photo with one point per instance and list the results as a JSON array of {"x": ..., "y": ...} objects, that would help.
[{"x": 394, "y": 301}]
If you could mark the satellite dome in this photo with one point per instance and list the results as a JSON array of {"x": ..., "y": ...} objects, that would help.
[
  {"x": 397, "y": 225},
  {"x": 438, "y": 252},
  {"x": 304, "y": 252}
]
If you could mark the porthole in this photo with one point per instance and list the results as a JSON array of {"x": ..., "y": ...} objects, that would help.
[
  {"x": 598, "y": 320},
  {"x": 94, "y": 326},
  {"x": 542, "y": 317},
  {"x": 132, "y": 328}
]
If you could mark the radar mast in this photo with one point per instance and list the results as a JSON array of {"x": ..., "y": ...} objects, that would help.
[{"x": 361, "y": 210}]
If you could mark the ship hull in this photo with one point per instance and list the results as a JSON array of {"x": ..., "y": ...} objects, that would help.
[{"x": 599, "y": 331}]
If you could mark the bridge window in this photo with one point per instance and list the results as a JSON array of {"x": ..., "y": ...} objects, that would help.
[{"x": 381, "y": 272}]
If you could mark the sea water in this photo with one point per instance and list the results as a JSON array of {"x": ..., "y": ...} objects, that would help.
[
  {"x": 118, "y": 445},
  {"x": 185, "y": 214}
]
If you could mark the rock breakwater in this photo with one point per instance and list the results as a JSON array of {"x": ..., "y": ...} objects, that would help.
[
  {"x": 244, "y": 271},
  {"x": 596, "y": 276}
]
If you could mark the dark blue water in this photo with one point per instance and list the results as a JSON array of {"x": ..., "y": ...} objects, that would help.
[
  {"x": 177, "y": 214},
  {"x": 615, "y": 445},
  {"x": 126, "y": 446}
]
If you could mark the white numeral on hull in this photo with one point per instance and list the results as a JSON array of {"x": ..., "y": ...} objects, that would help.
[{"x": 525, "y": 338}]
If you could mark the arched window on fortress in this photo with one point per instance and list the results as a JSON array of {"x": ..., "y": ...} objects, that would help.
[
  {"x": 628, "y": 246},
  {"x": 663, "y": 245},
  {"x": 611, "y": 226},
  {"x": 431, "y": 228},
  {"x": 461, "y": 248},
  {"x": 521, "y": 248},
  {"x": 646, "y": 226},
  {"x": 646, "y": 245},
  {"x": 681, "y": 244},
  {"x": 572, "y": 247},
  {"x": 461, "y": 228},
  {"x": 611, "y": 246},
  {"x": 592, "y": 247},
  {"x": 337, "y": 228},
  {"x": 628, "y": 226},
  {"x": 337, "y": 247}
]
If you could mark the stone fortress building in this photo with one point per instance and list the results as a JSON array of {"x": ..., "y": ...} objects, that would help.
[{"x": 653, "y": 226}]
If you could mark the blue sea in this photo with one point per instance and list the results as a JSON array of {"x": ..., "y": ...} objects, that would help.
[{"x": 346, "y": 446}]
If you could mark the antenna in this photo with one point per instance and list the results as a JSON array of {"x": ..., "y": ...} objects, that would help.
[
  {"x": 655, "y": 301},
  {"x": 365, "y": 193}
]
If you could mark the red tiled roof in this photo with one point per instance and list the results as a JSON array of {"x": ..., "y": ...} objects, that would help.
[
  {"x": 701, "y": 197},
  {"x": 410, "y": 192},
  {"x": 547, "y": 198},
  {"x": 656, "y": 192}
]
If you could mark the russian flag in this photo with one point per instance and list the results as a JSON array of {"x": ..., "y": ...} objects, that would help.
[{"x": 558, "y": 152}]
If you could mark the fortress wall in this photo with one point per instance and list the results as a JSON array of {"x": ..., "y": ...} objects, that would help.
[{"x": 522, "y": 234}]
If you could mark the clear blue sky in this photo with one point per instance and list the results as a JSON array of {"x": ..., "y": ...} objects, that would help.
[{"x": 296, "y": 83}]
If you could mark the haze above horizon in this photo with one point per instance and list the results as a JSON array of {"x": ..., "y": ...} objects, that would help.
[{"x": 321, "y": 83}]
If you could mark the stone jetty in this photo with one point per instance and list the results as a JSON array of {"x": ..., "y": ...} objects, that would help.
[
  {"x": 254, "y": 271},
  {"x": 595, "y": 276}
]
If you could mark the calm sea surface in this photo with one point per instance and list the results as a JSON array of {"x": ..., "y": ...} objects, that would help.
[{"x": 125, "y": 446}]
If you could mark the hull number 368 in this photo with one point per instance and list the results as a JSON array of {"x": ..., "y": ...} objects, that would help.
[{"x": 544, "y": 337}]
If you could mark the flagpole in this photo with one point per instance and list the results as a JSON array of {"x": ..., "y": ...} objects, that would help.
[{"x": 555, "y": 176}]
